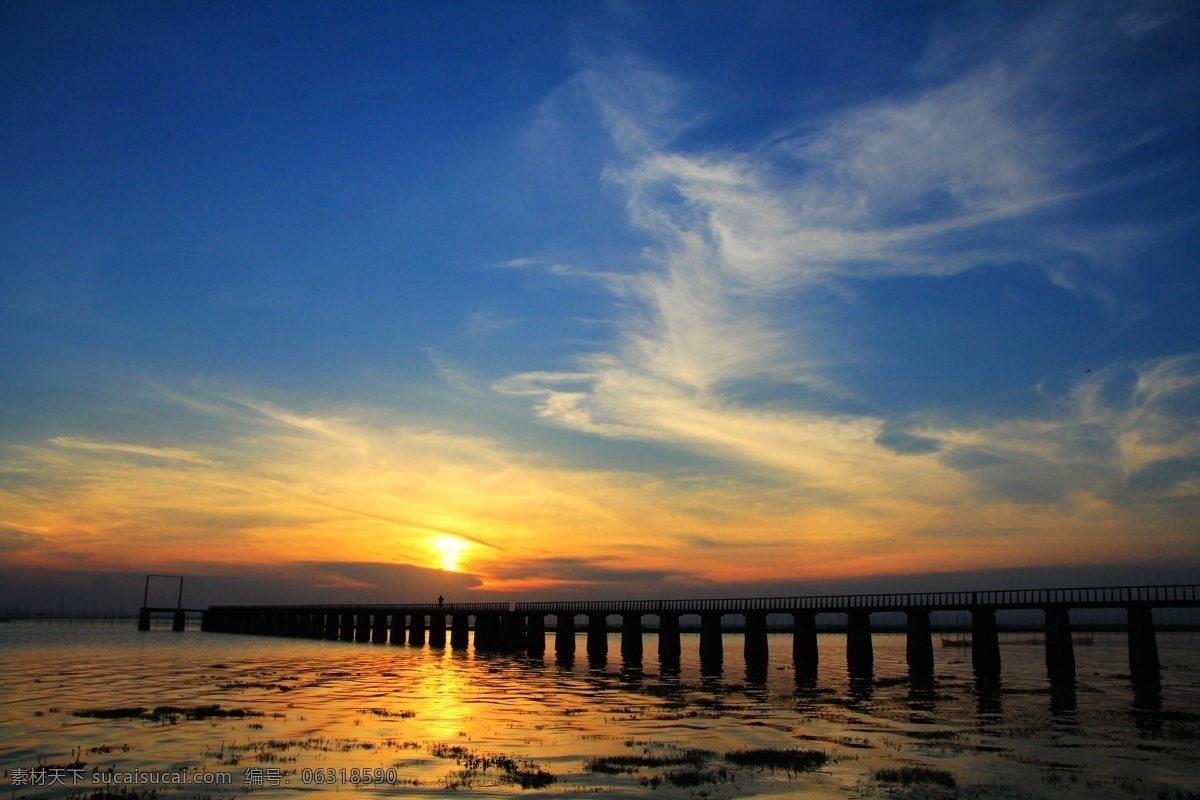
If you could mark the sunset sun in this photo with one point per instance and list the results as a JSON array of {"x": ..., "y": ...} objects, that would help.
[{"x": 448, "y": 550}]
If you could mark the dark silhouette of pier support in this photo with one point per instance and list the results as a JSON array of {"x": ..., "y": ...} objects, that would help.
[
  {"x": 379, "y": 628},
  {"x": 712, "y": 650},
  {"x": 860, "y": 655},
  {"x": 919, "y": 644},
  {"x": 1143, "y": 647},
  {"x": 416, "y": 629},
  {"x": 564, "y": 634},
  {"x": 487, "y": 631},
  {"x": 804, "y": 643},
  {"x": 399, "y": 627},
  {"x": 985, "y": 643},
  {"x": 331, "y": 625},
  {"x": 460, "y": 631},
  {"x": 512, "y": 625},
  {"x": 178, "y": 613},
  {"x": 755, "y": 648},
  {"x": 631, "y": 637},
  {"x": 535, "y": 634},
  {"x": 437, "y": 629},
  {"x": 346, "y": 629},
  {"x": 597, "y": 635},
  {"x": 362, "y": 627},
  {"x": 1060, "y": 650},
  {"x": 669, "y": 648}
]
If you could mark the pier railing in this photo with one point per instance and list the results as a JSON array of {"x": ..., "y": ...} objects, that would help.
[
  {"x": 406, "y": 608},
  {"x": 1174, "y": 596},
  {"x": 1168, "y": 596}
]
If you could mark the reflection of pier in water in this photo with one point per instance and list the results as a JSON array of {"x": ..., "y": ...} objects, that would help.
[{"x": 522, "y": 626}]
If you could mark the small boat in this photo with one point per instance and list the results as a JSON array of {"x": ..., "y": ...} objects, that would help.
[{"x": 961, "y": 641}]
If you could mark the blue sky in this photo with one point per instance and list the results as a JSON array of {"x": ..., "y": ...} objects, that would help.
[{"x": 599, "y": 298}]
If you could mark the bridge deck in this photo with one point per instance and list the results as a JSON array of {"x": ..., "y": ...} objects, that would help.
[{"x": 1175, "y": 596}]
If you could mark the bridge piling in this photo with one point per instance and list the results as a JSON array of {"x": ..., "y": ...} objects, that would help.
[
  {"x": 379, "y": 627},
  {"x": 669, "y": 648},
  {"x": 535, "y": 634},
  {"x": 331, "y": 625},
  {"x": 437, "y": 629},
  {"x": 631, "y": 637},
  {"x": 346, "y": 632},
  {"x": 712, "y": 650},
  {"x": 564, "y": 634},
  {"x": 860, "y": 655},
  {"x": 362, "y": 626},
  {"x": 804, "y": 643},
  {"x": 487, "y": 631},
  {"x": 416, "y": 629},
  {"x": 985, "y": 643},
  {"x": 919, "y": 644},
  {"x": 597, "y": 635},
  {"x": 460, "y": 631},
  {"x": 755, "y": 648},
  {"x": 1060, "y": 650},
  {"x": 1143, "y": 647},
  {"x": 513, "y": 631}
]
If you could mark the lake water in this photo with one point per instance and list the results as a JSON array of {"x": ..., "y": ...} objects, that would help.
[{"x": 315, "y": 716}]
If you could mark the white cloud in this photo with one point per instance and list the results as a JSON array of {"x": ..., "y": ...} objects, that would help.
[
  {"x": 168, "y": 453},
  {"x": 950, "y": 176}
]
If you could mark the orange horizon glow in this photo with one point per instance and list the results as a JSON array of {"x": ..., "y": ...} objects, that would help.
[{"x": 332, "y": 490}]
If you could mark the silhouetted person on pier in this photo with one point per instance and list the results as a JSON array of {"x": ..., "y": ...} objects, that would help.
[{"x": 440, "y": 599}]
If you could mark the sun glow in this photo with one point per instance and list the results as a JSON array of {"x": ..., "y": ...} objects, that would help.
[{"x": 448, "y": 549}]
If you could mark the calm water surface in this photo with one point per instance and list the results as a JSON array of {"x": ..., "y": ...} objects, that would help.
[{"x": 479, "y": 725}]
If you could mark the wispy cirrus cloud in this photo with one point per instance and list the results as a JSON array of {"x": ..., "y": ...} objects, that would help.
[
  {"x": 939, "y": 180},
  {"x": 977, "y": 164},
  {"x": 168, "y": 453}
]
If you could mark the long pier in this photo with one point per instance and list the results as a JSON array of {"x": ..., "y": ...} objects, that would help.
[{"x": 522, "y": 626}]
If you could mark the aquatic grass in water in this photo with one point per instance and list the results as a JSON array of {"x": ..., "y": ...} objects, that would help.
[
  {"x": 776, "y": 758},
  {"x": 383, "y": 712},
  {"x": 525, "y": 774},
  {"x": 690, "y": 778},
  {"x": 167, "y": 714},
  {"x": 908, "y": 776}
]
